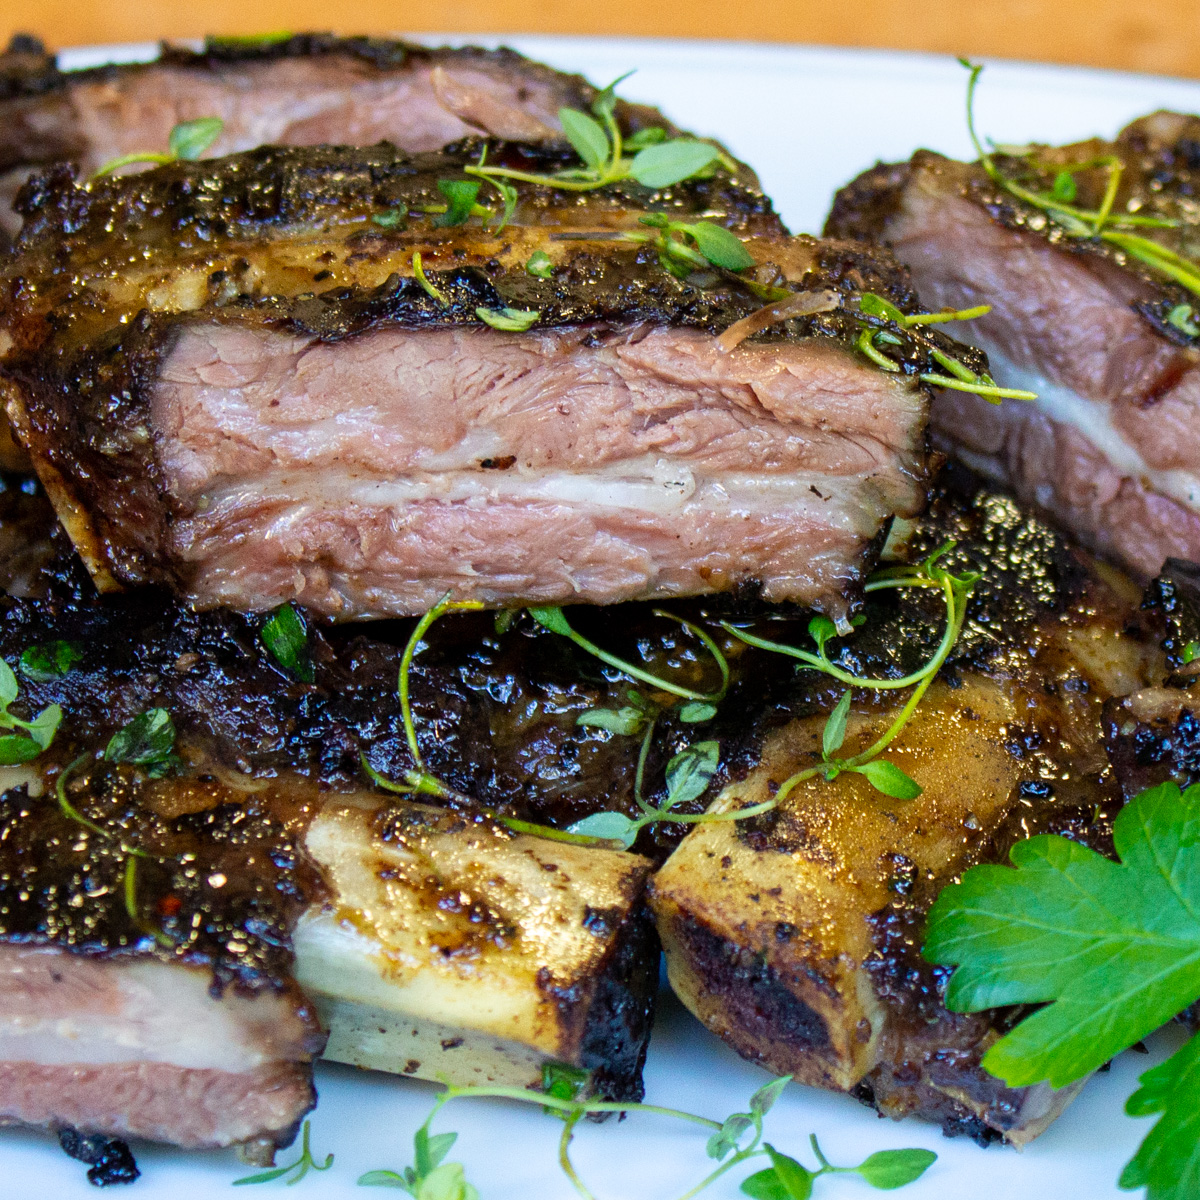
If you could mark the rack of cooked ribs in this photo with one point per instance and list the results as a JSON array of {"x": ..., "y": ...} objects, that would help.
[
  {"x": 1111, "y": 448},
  {"x": 290, "y": 374}
]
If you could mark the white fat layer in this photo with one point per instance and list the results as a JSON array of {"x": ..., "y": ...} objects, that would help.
[
  {"x": 1093, "y": 420},
  {"x": 650, "y": 486},
  {"x": 127, "y": 1012}
]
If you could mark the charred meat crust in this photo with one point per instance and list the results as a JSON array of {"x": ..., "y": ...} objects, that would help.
[{"x": 616, "y": 1031}]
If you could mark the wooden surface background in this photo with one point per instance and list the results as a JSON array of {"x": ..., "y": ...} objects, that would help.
[{"x": 1142, "y": 35}]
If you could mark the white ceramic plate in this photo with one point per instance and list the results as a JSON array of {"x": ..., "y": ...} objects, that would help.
[{"x": 808, "y": 120}]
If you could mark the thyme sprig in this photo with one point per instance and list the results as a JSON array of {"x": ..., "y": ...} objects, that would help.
[
  {"x": 690, "y": 771},
  {"x": 1105, "y": 223},
  {"x": 552, "y": 618},
  {"x": 187, "y": 141},
  {"x": 418, "y": 779},
  {"x": 658, "y": 161},
  {"x": 883, "y": 775},
  {"x": 731, "y": 1142},
  {"x": 881, "y": 317}
]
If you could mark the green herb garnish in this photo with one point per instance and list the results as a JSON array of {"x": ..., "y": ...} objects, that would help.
[
  {"x": 50, "y": 661},
  {"x": 787, "y": 1179},
  {"x": 394, "y": 218},
  {"x": 658, "y": 162},
  {"x": 688, "y": 774},
  {"x": 730, "y": 1142},
  {"x": 187, "y": 141},
  {"x": 511, "y": 320},
  {"x": 554, "y": 619},
  {"x": 461, "y": 196},
  {"x": 1112, "y": 952},
  {"x": 294, "y": 1171},
  {"x": 148, "y": 741},
  {"x": 430, "y": 290},
  {"x": 540, "y": 265},
  {"x": 882, "y": 313},
  {"x": 285, "y": 636},
  {"x": 1105, "y": 223},
  {"x": 418, "y": 779},
  {"x": 38, "y": 733},
  {"x": 882, "y": 775}
]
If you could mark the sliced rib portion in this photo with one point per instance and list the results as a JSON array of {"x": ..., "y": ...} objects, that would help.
[
  {"x": 1111, "y": 448},
  {"x": 174, "y": 951},
  {"x": 300, "y": 91},
  {"x": 269, "y": 404},
  {"x": 796, "y": 935},
  {"x": 138, "y": 1048}
]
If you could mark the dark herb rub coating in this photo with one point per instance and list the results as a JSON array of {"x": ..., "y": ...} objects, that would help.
[
  {"x": 796, "y": 935},
  {"x": 233, "y": 382},
  {"x": 302, "y": 90},
  {"x": 1108, "y": 341}
]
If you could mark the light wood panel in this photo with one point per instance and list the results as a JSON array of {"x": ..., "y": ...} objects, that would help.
[{"x": 1150, "y": 35}]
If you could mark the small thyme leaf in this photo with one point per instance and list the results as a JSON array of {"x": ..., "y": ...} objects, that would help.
[
  {"x": 586, "y": 135},
  {"x": 695, "y": 711},
  {"x": 612, "y": 826},
  {"x": 147, "y": 741},
  {"x": 50, "y": 661},
  {"x": 461, "y": 196},
  {"x": 15, "y": 749},
  {"x": 540, "y": 265},
  {"x": 190, "y": 139},
  {"x": 725, "y": 1140},
  {"x": 690, "y": 771},
  {"x": 720, "y": 247},
  {"x": 835, "y": 727},
  {"x": 512, "y": 320},
  {"x": 285, "y": 636},
  {"x": 394, "y": 218},
  {"x": 504, "y": 619},
  {"x": 1182, "y": 318},
  {"x": 45, "y": 725},
  {"x": 9, "y": 688},
  {"x": 1064, "y": 187},
  {"x": 1190, "y": 651},
  {"x": 887, "y": 778},
  {"x": 890, "y": 1169},
  {"x": 764, "y": 1099},
  {"x": 548, "y": 618},
  {"x": 797, "y": 1179},
  {"x": 622, "y": 720},
  {"x": 652, "y": 135},
  {"x": 605, "y": 103},
  {"x": 668, "y": 163},
  {"x": 383, "y": 1179}
]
